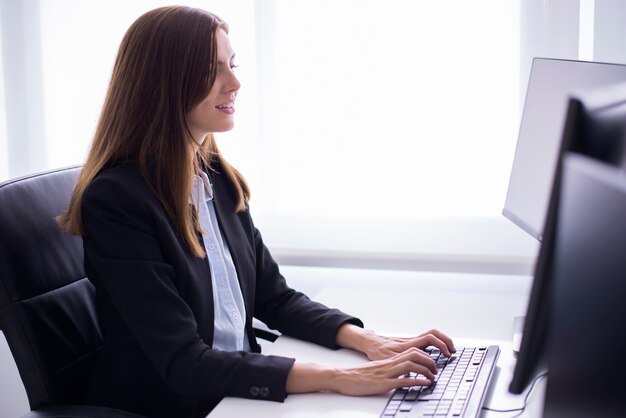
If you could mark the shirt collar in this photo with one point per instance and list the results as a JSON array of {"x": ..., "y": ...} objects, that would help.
[{"x": 207, "y": 188}]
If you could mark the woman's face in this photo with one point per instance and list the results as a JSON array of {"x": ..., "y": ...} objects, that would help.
[{"x": 215, "y": 113}]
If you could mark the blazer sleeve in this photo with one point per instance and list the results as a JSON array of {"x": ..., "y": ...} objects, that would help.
[
  {"x": 123, "y": 249},
  {"x": 292, "y": 312}
]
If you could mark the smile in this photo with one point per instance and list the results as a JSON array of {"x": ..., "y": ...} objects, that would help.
[{"x": 228, "y": 108}]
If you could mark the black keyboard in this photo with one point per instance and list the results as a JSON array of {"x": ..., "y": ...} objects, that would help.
[{"x": 457, "y": 391}]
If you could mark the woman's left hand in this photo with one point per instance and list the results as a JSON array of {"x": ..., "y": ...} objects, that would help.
[{"x": 378, "y": 347}]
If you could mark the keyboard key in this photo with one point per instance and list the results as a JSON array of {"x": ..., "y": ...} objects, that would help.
[
  {"x": 406, "y": 406},
  {"x": 448, "y": 395}
]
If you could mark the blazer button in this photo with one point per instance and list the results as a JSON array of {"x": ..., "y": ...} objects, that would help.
[
  {"x": 265, "y": 391},
  {"x": 254, "y": 390}
]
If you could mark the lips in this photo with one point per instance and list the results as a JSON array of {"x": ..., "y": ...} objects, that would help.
[{"x": 228, "y": 108}]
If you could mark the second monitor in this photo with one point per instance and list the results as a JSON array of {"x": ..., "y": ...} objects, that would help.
[{"x": 550, "y": 84}]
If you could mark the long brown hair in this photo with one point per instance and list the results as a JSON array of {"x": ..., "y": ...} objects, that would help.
[{"x": 166, "y": 64}]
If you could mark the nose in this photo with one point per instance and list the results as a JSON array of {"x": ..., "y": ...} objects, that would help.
[{"x": 233, "y": 84}]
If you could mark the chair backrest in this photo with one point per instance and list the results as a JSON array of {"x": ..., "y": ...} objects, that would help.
[{"x": 47, "y": 305}]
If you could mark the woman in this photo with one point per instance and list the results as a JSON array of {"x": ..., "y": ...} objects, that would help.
[{"x": 178, "y": 266}]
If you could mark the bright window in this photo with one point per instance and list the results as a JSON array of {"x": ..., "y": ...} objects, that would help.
[
  {"x": 406, "y": 109},
  {"x": 356, "y": 117}
]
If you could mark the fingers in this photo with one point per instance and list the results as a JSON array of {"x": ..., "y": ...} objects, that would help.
[
  {"x": 403, "y": 382},
  {"x": 387, "y": 347},
  {"x": 418, "y": 358},
  {"x": 405, "y": 367},
  {"x": 435, "y": 338},
  {"x": 411, "y": 381},
  {"x": 425, "y": 375},
  {"x": 383, "y": 375},
  {"x": 444, "y": 338}
]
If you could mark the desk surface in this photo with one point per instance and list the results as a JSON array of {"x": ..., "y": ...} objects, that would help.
[
  {"x": 473, "y": 309},
  {"x": 332, "y": 405}
]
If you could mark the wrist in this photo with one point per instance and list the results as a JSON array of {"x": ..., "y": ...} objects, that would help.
[
  {"x": 355, "y": 338},
  {"x": 309, "y": 377}
]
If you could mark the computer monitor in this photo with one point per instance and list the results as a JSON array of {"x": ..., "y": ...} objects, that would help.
[
  {"x": 534, "y": 164},
  {"x": 595, "y": 126},
  {"x": 588, "y": 313}
]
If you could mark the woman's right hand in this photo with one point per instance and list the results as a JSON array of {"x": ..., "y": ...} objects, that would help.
[{"x": 370, "y": 378}]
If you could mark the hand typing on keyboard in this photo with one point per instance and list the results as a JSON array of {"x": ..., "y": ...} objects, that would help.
[
  {"x": 411, "y": 368},
  {"x": 378, "y": 347},
  {"x": 396, "y": 363}
]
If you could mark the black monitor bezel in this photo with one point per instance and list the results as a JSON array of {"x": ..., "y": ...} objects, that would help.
[{"x": 584, "y": 108}]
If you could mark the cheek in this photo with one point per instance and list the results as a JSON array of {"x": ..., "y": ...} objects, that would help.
[
  {"x": 201, "y": 113},
  {"x": 205, "y": 110}
]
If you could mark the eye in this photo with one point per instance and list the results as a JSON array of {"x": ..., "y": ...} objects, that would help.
[{"x": 233, "y": 66}]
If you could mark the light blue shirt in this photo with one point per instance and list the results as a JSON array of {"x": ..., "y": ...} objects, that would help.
[{"x": 230, "y": 311}]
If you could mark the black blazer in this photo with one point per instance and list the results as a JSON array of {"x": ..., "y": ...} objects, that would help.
[{"x": 155, "y": 304}]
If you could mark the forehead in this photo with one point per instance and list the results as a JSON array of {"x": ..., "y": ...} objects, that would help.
[{"x": 224, "y": 49}]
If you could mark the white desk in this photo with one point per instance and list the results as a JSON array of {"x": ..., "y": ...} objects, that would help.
[{"x": 474, "y": 309}]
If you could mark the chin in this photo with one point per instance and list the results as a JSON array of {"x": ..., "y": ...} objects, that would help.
[{"x": 224, "y": 128}]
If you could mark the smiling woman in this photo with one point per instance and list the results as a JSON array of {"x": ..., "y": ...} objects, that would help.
[
  {"x": 215, "y": 112},
  {"x": 346, "y": 102},
  {"x": 356, "y": 118},
  {"x": 178, "y": 266}
]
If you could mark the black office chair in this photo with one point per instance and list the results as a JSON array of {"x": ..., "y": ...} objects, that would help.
[{"x": 47, "y": 305}]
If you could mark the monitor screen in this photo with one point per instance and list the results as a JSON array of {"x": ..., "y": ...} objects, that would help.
[
  {"x": 550, "y": 83},
  {"x": 588, "y": 313},
  {"x": 595, "y": 126}
]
